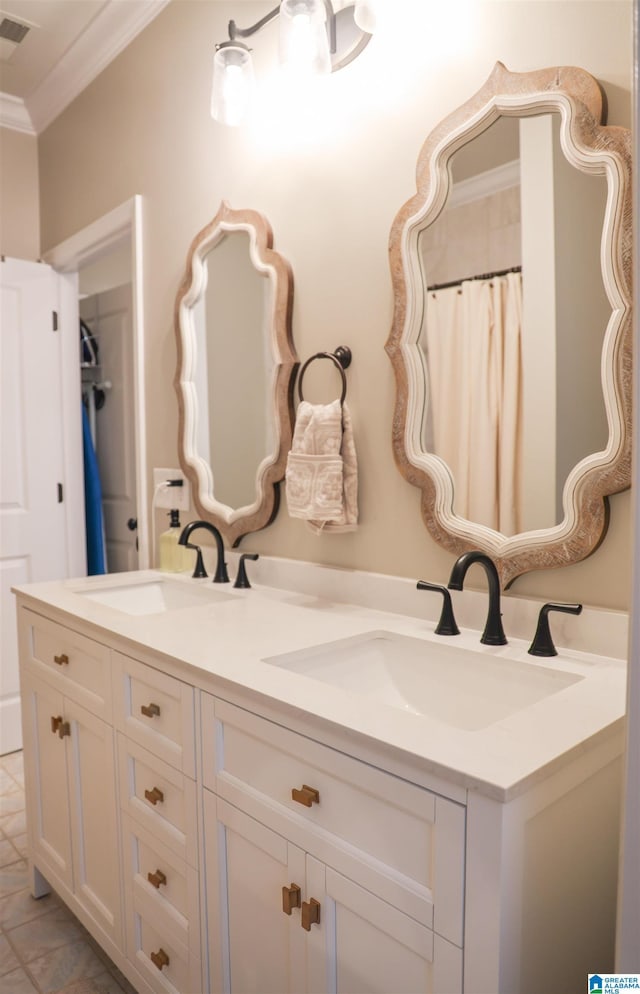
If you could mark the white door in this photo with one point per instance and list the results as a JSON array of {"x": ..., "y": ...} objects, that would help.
[
  {"x": 375, "y": 948},
  {"x": 33, "y": 537},
  {"x": 108, "y": 314},
  {"x": 92, "y": 792},
  {"x": 255, "y": 947},
  {"x": 47, "y": 786}
]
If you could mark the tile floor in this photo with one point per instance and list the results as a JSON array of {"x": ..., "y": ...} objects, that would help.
[{"x": 43, "y": 948}]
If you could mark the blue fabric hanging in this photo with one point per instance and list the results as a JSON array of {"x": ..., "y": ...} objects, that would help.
[{"x": 96, "y": 557}]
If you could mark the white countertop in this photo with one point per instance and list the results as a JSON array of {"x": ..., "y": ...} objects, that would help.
[{"x": 221, "y": 645}]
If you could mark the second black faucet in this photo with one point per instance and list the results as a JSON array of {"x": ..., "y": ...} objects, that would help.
[{"x": 493, "y": 633}]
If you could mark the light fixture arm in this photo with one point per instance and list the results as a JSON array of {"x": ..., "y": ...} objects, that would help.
[{"x": 236, "y": 32}]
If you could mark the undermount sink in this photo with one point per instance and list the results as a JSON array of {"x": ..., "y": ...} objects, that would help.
[
  {"x": 153, "y": 597},
  {"x": 461, "y": 687}
]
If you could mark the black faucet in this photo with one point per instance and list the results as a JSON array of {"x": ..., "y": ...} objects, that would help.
[
  {"x": 221, "y": 569},
  {"x": 493, "y": 633}
]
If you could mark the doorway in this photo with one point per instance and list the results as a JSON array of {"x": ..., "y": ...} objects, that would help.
[
  {"x": 105, "y": 305},
  {"x": 106, "y": 257}
]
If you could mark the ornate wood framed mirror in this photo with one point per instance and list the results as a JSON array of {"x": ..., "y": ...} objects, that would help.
[
  {"x": 513, "y": 367},
  {"x": 236, "y": 366}
]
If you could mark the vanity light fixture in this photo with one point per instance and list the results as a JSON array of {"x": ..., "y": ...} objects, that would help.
[{"x": 314, "y": 39}]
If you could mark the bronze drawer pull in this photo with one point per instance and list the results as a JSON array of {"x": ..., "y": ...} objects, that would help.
[
  {"x": 157, "y": 878},
  {"x": 306, "y": 796},
  {"x": 154, "y": 795},
  {"x": 290, "y": 898},
  {"x": 55, "y": 723},
  {"x": 160, "y": 958},
  {"x": 310, "y": 913},
  {"x": 61, "y": 659},
  {"x": 150, "y": 710}
]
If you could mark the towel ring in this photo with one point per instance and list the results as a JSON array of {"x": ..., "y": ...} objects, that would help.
[{"x": 341, "y": 359}]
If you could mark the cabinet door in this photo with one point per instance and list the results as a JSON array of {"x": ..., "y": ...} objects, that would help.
[
  {"x": 46, "y": 780},
  {"x": 254, "y": 946},
  {"x": 93, "y": 805},
  {"x": 373, "y": 947}
]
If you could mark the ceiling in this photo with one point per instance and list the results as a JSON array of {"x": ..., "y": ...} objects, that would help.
[{"x": 66, "y": 44}]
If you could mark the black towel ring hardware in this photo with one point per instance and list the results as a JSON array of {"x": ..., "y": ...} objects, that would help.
[{"x": 341, "y": 359}]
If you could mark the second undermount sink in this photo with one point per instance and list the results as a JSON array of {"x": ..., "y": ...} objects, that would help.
[
  {"x": 153, "y": 596},
  {"x": 461, "y": 687}
]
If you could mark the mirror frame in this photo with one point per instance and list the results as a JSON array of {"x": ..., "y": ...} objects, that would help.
[
  {"x": 590, "y": 146},
  {"x": 234, "y": 523}
]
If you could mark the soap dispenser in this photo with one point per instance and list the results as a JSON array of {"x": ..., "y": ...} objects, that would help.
[{"x": 173, "y": 557}]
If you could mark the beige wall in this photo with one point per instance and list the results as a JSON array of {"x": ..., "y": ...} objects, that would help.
[
  {"x": 330, "y": 182},
  {"x": 19, "y": 205}
]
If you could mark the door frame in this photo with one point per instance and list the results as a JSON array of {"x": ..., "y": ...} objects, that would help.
[{"x": 84, "y": 247}]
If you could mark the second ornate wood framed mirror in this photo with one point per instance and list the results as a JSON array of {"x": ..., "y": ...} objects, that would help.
[{"x": 511, "y": 341}]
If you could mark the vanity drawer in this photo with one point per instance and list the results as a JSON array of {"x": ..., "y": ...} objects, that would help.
[
  {"x": 160, "y": 883},
  {"x": 155, "y": 710},
  {"x": 379, "y": 822},
  {"x": 78, "y": 666},
  {"x": 161, "y": 958},
  {"x": 159, "y": 797}
]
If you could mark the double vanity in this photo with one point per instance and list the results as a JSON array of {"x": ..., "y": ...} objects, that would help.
[{"x": 300, "y": 787}]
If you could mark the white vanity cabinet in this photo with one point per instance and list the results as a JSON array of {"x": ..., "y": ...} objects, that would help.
[
  {"x": 217, "y": 836},
  {"x": 154, "y": 715},
  {"x": 70, "y": 770},
  {"x": 324, "y": 873}
]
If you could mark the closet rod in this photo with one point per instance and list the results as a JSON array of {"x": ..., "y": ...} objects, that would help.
[{"x": 483, "y": 276}]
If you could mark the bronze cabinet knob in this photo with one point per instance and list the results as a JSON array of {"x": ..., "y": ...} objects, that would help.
[
  {"x": 306, "y": 795},
  {"x": 310, "y": 913},
  {"x": 155, "y": 795},
  {"x": 150, "y": 710},
  {"x": 157, "y": 878},
  {"x": 291, "y": 897},
  {"x": 59, "y": 725},
  {"x": 159, "y": 959}
]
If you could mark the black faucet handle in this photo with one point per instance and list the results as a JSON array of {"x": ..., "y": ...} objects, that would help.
[
  {"x": 447, "y": 624},
  {"x": 542, "y": 644},
  {"x": 199, "y": 571},
  {"x": 242, "y": 580}
]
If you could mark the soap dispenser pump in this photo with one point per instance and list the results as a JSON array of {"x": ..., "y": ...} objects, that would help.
[{"x": 173, "y": 557}]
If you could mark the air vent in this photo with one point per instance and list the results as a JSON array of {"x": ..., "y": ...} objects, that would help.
[{"x": 13, "y": 30}]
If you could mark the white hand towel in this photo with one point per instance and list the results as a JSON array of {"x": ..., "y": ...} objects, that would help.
[{"x": 322, "y": 470}]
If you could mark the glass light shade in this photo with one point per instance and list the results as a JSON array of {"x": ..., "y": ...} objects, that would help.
[
  {"x": 233, "y": 84},
  {"x": 304, "y": 45},
  {"x": 364, "y": 14}
]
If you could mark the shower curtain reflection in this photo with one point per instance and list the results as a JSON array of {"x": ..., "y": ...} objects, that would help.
[{"x": 472, "y": 341}]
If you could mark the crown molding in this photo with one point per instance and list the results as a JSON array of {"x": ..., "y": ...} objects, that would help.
[
  {"x": 105, "y": 37},
  {"x": 14, "y": 114}
]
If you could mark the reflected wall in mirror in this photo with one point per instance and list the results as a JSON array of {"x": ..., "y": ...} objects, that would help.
[
  {"x": 235, "y": 371},
  {"x": 511, "y": 340}
]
